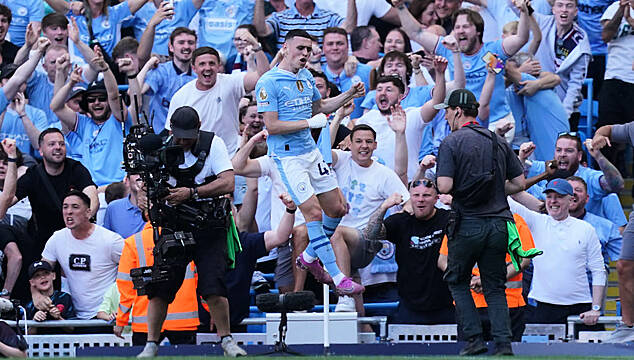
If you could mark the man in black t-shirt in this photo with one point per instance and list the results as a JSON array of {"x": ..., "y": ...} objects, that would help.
[
  {"x": 479, "y": 169},
  {"x": 45, "y": 185},
  {"x": 424, "y": 296}
]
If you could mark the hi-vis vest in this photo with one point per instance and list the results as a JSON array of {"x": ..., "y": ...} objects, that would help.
[
  {"x": 513, "y": 290},
  {"x": 182, "y": 313}
]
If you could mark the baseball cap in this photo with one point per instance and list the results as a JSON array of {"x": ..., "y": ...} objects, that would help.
[
  {"x": 7, "y": 71},
  {"x": 462, "y": 98},
  {"x": 78, "y": 89},
  {"x": 560, "y": 186},
  {"x": 185, "y": 122},
  {"x": 37, "y": 266}
]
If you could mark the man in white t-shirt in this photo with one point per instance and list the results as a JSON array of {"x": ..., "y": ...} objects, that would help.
[
  {"x": 87, "y": 253},
  {"x": 365, "y": 184},
  {"x": 389, "y": 92},
  {"x": 215, "y": 96},
  {"x": 560, "y": 284}
]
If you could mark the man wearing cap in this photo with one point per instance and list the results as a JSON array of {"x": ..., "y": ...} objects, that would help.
[
  {"x": 100, "y": 131},
  {"x": 478, "y": 168},
  {"x": 206, "y": 173},
  {"x": 21, "y": 121},
  {"x": 560, "y": 284}
]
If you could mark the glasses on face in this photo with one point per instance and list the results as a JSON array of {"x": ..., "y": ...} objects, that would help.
[
  {"x": 568, "y": 133},
  {"x": 426, "y": 182},
  {"x": 92, "y": 99}
]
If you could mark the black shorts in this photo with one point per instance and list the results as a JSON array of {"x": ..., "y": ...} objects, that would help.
[{"x": 210, "y": 257}]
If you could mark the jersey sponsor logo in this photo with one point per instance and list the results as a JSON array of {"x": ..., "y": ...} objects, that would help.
[
  {"x": 300, "y": 86},
  {"x": 421, "y": 243},
  {"x": 263, "y": 95},
  {"x": 79, "y": 262},
  {"x": 594, "y": 10},
  {"x": 220, "y": 24},
  {"x": 299, "y": 103}
]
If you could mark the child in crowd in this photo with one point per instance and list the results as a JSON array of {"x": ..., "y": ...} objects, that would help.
[{"x": 41, "y": 276}]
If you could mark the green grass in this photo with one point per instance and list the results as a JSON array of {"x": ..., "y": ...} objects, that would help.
[{"x": 368, "y": 357}]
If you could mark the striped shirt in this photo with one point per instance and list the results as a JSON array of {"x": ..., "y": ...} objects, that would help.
[{"x": 314, "y": 24}]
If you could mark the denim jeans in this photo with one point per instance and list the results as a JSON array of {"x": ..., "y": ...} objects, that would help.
[{"x": 483, "y": 241}]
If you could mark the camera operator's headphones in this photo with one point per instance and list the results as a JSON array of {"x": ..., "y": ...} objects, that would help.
[{"x": 95, "y": 87}]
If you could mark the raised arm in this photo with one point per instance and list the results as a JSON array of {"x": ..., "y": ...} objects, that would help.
[
  {"x": 611, "y": 27},
  {"x": 135, "y": 5},
  {"x": 330, "y": 105},
  {"x": 514, "y": 43},
  {"x": 245, "y": 219},
  {"x": 398, "y": 123},
  {"x": 25, "y": 70},
  {"x": 60, "y": 6},
  {"x": 242, "y": 164},
  {"x": 261, "y": 62},
  {"x": 149, "y": 66},
  {"x": 351, "y": 17},
  {"x": 340, "y": 114},
  {"x": 262, "y": 27},
  {"x": 91, "y": 192},
  {"x": 119, "y": 110},
  {"x": 375, "y": 229},
  {"x": 537, "y": 35},
  {"x": 11, "y": 177},
  {"x": 414, "y": 29},
  {"x": 428, "y": 112},
  {"x": 486, "y": 94},
  {"x": 127, "y": 66},
  {"x": 280, "y": 235},
  {"x": 459, "y": 80},
  {"x": 31, "y": 131},
  {"x": 146, "y": 43},
  {"x": 612, "y": 180},
  {"x": 61, "y": 91},
  {"x": 89, "y": 73},
  {"x": 30, "y": 40}
]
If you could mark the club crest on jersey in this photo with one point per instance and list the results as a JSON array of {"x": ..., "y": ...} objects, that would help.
[
  {"x": 300, "y": 85},
  {"x": 263, "y": 95}
]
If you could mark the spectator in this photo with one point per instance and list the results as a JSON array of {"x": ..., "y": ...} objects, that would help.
[
  {"x": 124, "y": 54},
  {"x": 246, "y": 43},
  {"x": 98, "y": 22},
  {"x": 41, "y": 276},
  {"x": 560, "y": 285},
  {"x": 21, "y": 121},
  {"x": 366, "y": 9},
  {"x": 365, "y": 43},
  {"x": 617, "y": 91},
  {"x": 305, "y": 13},
  {"x": 389, "y": 92},
  {"x": 366, "y": 184},
  {"x": 467, "y": 38},
  {"x": 424, "y": 11},
  {"x": 123, "y": 216},
  {"x": 108, "y": 308},
  {"x": 539, "y": 114},
  {"x": 590, "y": 18},
  {"x": 203, "y": 95},
  {"x": 8, "y": 50},
  {"x": 182, "y": 315},
  {"x": 115, "y": 191},
  {"x": 336, "y": 52},
  {"x": 565, "y": 51},
  {"x": 160, "y": 81},
  {"x": 568, "y": 153},
  {"x": 155, "y": 22},
  {"x": 24, "y": 13},
  {"x": 100, "y": 130},
  {"x": 513, "y": 284},
  {"x": 398, "y": 40},
  {"x": 88, "y": 255}
]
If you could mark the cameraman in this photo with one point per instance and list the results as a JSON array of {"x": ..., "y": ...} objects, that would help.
[
  {"x": 11, "y": 345},
  {"x": 193, "y": 181}
]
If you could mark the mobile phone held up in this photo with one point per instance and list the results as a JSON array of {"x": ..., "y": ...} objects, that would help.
[{"x": 493, "y": 62}]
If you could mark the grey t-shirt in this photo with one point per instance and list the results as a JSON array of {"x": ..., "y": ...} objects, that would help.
[
  {"x": 623, "y": 133},
  {"x": 465, "y": 154}
]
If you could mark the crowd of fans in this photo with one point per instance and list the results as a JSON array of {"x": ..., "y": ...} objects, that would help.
[{"x": 64, "y": 115}]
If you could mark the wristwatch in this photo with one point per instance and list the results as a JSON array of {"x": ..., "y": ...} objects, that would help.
[
  {"x": 195, "y": 194},
  {"x": 5, "y": 292},
  {"x": 596, "y": 307}
]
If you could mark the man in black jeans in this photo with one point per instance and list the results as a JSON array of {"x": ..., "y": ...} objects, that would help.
[{"x": 479, "y": 170}]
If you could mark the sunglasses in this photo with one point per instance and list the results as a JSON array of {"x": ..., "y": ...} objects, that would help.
[
  {"x": 568, "y": 133},
  {"x": 426, "y": 182},
  {"x": 91, "y": 99}
]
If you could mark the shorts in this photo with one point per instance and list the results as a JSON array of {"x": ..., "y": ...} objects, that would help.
[
  {"x": 365, "y": 251},
  {"x": 210, "y": 257},
  {"x": 305, "y": 175},
  {"x": 627, "y": 247},
  {"x": 284, "y": 268}
]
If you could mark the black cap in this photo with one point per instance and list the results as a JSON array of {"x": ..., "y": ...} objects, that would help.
[
  {"x": 185, "y": 123},
  {"x": 39, "y": 265},
  {"x": 96, "y": 87},
  {"x": 7, "y": 71},
  {"x": 461, "y": 98}
]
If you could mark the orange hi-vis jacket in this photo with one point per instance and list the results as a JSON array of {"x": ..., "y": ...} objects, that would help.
[
  {"x": 182, "y": 313},
  {"x": 514, "y": 296}
]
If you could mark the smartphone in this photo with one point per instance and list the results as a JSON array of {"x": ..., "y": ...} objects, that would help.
[{"x": 493, "y": 62}]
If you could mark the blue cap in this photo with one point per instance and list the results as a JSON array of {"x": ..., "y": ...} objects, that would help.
[{"x": 560, "y": 186}]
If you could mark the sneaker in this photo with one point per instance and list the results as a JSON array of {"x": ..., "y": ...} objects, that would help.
[
  {"x": 475, "y": 346},
  {"x": 349, "y": 287},
  {"x": 314, "y": 268},
  {"x": 345, "y": 304},
  {"x": 504, "y": 349},
  {"x": 150, "y": 350},
  {"x": 231, "y": 348},
  {"x": 621, "y": 334}
]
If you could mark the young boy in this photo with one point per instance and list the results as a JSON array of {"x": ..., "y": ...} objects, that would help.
[{"x": 41, "y": 276}]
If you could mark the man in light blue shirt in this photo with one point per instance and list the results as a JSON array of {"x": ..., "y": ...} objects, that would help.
[
  {"x": 291, "y": 106},
  {"x": 336, "y": 52},
  {"x": 123, "y": 216},
  {"x": 23, "y": 12}
]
